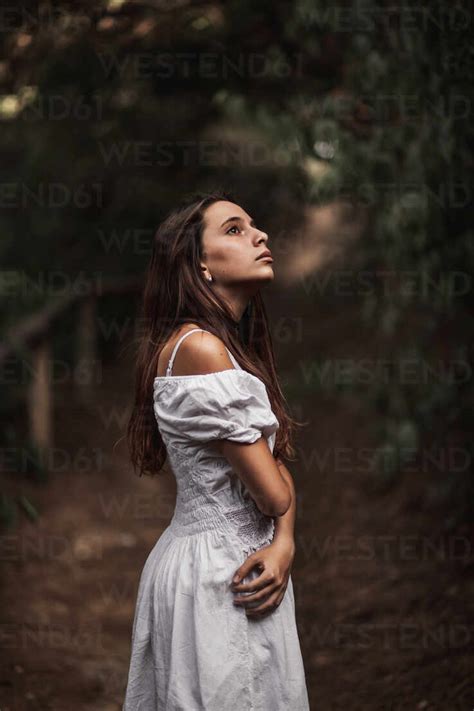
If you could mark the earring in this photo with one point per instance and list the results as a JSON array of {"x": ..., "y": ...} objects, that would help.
[{"x": 209, "y": 278}]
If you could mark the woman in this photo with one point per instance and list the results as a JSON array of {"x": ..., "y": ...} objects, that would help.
[{"x": 207, "y": 397}]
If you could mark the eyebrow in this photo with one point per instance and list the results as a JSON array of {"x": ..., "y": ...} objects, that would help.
[{"x": 232, "y": 219}]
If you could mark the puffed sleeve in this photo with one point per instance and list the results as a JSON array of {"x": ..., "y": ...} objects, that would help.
[{"x": 230, "y": 404}]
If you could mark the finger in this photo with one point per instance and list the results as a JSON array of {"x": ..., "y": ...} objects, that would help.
[
  {"x": 258, "y": 583},
  {"x": 279, "y": 599},
  {"x": 269, "y": 604},
  {"x": 267, "y": 607},
  {"x": 281, "y": 592},
  {"x": 251, "y": 562},
  {"x": 252, "y": 597}
]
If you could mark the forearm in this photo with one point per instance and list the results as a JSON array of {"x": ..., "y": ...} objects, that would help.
[{"x": 285, "y": 525}]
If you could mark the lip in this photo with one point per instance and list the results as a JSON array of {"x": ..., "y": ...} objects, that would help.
[{"x": 265, "y": 255}]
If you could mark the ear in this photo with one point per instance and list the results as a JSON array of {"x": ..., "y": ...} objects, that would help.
[{"x": 206, "y": 273}]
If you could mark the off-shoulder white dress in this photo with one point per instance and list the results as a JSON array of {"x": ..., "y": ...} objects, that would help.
[{"x": 192, "y": 648}]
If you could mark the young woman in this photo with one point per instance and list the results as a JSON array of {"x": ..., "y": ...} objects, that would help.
[{"x": 214, "y": 626}]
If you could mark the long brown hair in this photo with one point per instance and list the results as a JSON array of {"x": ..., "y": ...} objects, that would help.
[{"x": 175, "y": 293}]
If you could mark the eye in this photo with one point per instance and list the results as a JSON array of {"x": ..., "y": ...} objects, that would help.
[{"x": 234, "y": 227}]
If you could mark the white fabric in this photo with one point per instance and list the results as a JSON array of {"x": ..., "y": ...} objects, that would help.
[{"x": 192, "y": 648}]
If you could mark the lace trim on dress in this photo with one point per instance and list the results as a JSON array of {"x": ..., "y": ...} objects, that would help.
[{"x": 254, "y": 530}]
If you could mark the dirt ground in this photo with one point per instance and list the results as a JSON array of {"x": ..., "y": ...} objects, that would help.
[{"x": 384, "y": 599}]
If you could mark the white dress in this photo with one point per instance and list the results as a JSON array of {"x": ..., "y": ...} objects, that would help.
[{"x": 192, "y": 648}]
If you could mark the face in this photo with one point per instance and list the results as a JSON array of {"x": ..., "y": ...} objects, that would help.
[{"x": 232, "y": 245}]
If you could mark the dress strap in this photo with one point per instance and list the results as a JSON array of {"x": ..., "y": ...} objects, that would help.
[
  {"x": 233, "y": 359},
  {"x": 178, "y": 343}
]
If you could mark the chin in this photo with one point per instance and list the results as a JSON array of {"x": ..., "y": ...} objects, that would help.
[
  {"x": 267, "y": 276},
  {"x": 266, "y": 268}
]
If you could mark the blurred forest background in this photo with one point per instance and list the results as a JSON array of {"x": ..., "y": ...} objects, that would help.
[{"x": 346, "y": 132}]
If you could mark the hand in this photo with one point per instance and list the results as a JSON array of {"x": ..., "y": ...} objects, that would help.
[{"x": 274, "y": 563}]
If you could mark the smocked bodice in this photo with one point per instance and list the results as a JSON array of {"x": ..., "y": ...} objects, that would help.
[{"x": 192, "y": 411}]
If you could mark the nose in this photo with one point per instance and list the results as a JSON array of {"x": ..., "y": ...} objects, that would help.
[{"x": 262, "y": 236}]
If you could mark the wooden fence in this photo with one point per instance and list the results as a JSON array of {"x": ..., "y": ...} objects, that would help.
[{"x": 35, "y": 335}]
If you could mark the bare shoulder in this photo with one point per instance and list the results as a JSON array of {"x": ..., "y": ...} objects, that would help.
[{"x": 200, "y": 353}]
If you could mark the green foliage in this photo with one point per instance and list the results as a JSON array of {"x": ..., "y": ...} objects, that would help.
[
  {"x": 364, "y": 102},
  {"x": 391, "y": 131}
]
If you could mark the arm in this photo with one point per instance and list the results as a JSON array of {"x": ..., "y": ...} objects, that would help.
[
  {"x": 285, "y": 525},
  {"x": 255, "y": 465},
  {"x": 274, "y": 562}
]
